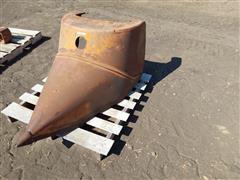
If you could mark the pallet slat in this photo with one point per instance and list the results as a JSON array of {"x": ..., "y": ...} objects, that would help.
[
  {"x": 45, "y": 79},
  {"x": 89, "y": 140},
  {"x": 8, "y": 47},
  {"x": 134, "y": 95},
  {"x": 123, "y": 116},
  {"x": 37, "y": 88},
  {"x": 18, "y": 112},
  {"x": 127, "y": 104},
  {"x": 22, "y": 40},
  {"x": 29, "y": 98},
  {"x": 23, "y": 31},
  {"x": 79, "y": 136},
  {"x": 36, "y": 35},
  {"x": 105, "y": 125}
]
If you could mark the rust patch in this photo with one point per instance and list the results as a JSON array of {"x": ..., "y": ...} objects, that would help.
[{"x": 5, "y": 35}]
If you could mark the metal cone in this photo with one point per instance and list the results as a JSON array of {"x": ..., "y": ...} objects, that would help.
[{"x": 97, "y": 65}]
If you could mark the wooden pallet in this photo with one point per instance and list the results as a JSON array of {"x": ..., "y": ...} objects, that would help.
[
  {"x": 84, "y": 137},
  {"x": 21, "y": 38}
]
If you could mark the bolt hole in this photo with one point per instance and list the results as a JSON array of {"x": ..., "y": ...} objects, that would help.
[{"x": 80, "y": 42}]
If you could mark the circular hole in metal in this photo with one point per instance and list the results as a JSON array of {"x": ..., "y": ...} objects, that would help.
[{"x": 80, "y": 42}]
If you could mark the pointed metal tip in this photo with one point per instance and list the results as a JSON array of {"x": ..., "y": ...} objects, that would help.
[{"x": 25, "y": 138}]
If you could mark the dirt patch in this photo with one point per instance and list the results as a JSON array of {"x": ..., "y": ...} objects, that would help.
[{"x": 188, "y": 126}]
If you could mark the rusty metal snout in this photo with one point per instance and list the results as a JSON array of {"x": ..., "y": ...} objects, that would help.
[
  {"x": 97, "y": 64},
  {"x": 5, "y": 35}
]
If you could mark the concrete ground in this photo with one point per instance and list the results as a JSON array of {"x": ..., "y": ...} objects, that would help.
[{"x": 188, "y": 126}]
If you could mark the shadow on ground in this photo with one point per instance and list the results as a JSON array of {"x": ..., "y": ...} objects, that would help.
[
  {"x": 26, "y": 51},
  {"x": 158, "y": 71}
]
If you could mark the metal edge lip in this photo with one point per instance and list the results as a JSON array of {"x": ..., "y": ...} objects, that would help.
[{"x": 125, "y": 27}]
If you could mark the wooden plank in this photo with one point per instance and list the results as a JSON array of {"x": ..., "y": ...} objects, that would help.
[
  {"x": 36, "y": 35},
  {"x": 22, "y": 40},
  {"x": 134, "y": 95},
  {"x": 23, "y": 31},
  {"x": 8, "y": 47},
  {"x": 11, "y": 55},
  {"x": 89, "y": 140},
  {"x": 37, "y": 88},
  {"x": 79, "y": 136},
  {"x": 123, "y": 116},
  {"x": 127, "y": 104},
  {"x": 105, "y": 125},
  {"x": 30, "y": 98},
  {"x": 45, "y": 79},
  {"x": 12, "y": 51},
  {"x": 18, "y": 112}
]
